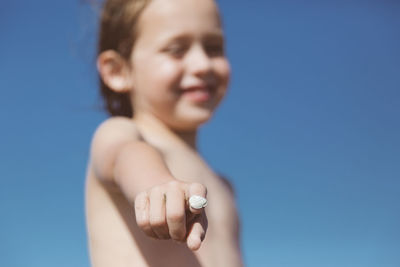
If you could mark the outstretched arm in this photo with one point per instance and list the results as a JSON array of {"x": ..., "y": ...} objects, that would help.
[{"x": 120, "y": 157}]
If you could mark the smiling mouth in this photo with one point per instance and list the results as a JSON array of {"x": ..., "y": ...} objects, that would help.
[{"x": 197, "y": 93}]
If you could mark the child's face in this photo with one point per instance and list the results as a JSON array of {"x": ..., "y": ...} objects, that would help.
[{"x": 178, "y": 68}]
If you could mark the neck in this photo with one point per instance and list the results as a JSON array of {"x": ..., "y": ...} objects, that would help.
[{"x": 149, "y": 123}]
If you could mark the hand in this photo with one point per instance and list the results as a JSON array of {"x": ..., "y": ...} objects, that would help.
[{"x": 163, "y": 212}]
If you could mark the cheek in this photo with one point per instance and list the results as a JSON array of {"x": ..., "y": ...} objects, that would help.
[
  {"x": 168, "y": 73},
  {"x": 223, "y": 71},
  {"x": 158, "y": 83},
  {"x": 162, "y": 76}
]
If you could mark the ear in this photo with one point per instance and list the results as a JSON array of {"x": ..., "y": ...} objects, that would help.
[{"x": 114, "y": 71}]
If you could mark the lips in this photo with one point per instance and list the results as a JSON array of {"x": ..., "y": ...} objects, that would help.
[{"x": 199, "y": 93}]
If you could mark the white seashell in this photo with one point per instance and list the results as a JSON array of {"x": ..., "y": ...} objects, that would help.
[{"x": 197, "y": 202}]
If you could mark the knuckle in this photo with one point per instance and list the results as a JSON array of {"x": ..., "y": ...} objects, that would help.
[
  {"x": 141, "y": 195},
  {"x": 140, "y": 201},
  {"x": 157, "y": 190},
  {"x": 173, "y": 184}
]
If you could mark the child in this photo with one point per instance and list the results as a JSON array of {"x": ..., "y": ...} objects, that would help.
[{"x": 163, "y": 72}]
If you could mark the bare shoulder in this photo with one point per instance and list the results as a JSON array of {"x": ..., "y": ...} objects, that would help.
[
  {"x": 108, "y": 138},
  {"x": 235, "y": 220},
  {"x": 227, "y": 183}
]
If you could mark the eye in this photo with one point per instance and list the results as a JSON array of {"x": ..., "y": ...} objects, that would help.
[
  {"x": 176, "y": 50},
  {"x": 214, "y": 49}
]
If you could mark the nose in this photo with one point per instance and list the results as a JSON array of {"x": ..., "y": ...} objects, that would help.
[{"x": 198, "y": 62}]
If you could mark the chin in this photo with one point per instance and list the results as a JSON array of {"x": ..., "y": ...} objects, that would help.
[{"x": 191, "y": 123}]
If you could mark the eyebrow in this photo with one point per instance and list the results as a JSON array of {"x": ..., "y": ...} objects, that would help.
[
  {"x": 214, "y": 36},
  {"x": 184, "y": 37}
]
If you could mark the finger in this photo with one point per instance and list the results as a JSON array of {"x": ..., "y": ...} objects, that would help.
[
  {"x": 157, "y": 214},
  {"x": 197, "y": 232},
  {"x": 196, "y": 190},
  {"x": 142, "y": 214},
  {"x": 176, "y": 218}
]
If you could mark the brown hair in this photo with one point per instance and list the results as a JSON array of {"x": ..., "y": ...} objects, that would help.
[{"x": 117, "y": 31}]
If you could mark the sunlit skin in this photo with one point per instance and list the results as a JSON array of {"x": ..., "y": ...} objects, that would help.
[
  {"x": 179, "y": 49},
  {"x": 144, "y": 169}
]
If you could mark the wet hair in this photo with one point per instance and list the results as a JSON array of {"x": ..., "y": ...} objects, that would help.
[{"x": 117, "y": 31}]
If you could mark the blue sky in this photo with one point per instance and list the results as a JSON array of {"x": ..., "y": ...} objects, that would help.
[{"x": 308, "y": 134}]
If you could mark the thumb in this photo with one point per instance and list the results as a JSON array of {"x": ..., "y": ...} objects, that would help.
[{"x": 197, "y": 231}]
